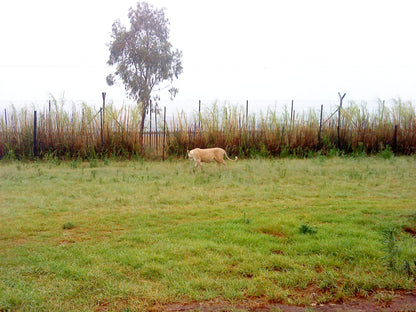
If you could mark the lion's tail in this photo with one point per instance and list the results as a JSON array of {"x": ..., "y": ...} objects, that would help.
[{"x": 236, "y": 158}]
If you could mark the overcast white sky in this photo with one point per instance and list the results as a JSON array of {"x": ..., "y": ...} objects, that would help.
[{"x": 266, "y": 52}]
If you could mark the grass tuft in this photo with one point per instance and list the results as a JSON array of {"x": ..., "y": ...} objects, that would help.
[
  {"x": 307, "y": 229},
  {"x": 68, "y": 226}
]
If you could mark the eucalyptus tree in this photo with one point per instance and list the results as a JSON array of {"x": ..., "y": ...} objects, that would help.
[{"x": 144, "y": 59}]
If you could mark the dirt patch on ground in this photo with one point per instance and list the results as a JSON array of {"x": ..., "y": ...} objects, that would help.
[
  {"x": 410, "y": 231},
  {"x": 404, "y": 301}
]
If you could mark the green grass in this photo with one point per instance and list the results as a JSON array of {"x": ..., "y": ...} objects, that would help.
[{"x": 129, "y": 235}]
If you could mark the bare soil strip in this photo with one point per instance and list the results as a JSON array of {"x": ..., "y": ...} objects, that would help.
[{"x": 405, "y": 301}]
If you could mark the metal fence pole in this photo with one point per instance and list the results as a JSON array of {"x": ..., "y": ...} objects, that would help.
[
  {"x": 247, "y": 113},
  {"x": 339, "y": 118},
  {"x": 164, "y": 133},
  {"x": 35, "y": 152},
  {"x": 320, "y": 128},
  {"x": 199, "y": 115},
  {"x": 291, "y": 113}
]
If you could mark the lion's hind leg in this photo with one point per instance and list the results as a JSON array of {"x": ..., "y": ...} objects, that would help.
[{"x": 220, "y": 161}]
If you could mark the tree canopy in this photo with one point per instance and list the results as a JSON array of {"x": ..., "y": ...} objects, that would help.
[{"x": 143, "y": 57}]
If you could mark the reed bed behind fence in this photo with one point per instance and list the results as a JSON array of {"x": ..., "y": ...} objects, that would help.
[{"x": 84, "y": 132}]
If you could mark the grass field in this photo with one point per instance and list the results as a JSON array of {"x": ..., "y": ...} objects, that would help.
[{"x": 124, "y": 236}]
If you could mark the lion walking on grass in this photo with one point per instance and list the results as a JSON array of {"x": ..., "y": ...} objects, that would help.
[{"x": 200, "y": 155}]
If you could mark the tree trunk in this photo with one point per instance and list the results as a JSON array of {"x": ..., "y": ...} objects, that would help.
[{"x": 141, "y": 132}]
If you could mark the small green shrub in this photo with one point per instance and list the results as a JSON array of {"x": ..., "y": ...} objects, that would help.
[
  {"x": 10, "y": 155},
  {"x": 359, "y": 151},
  {"x": 93, "y": 163},
  {"x": 285, "y": 152},
  {"x": 333, "y": 152},
  {"x": 75, "y": 163},
  {"x": 68, "y": 226},
  {"x": 386, "y": 153},
  {"x": 246, "y": 220},
  {"x": 307, "y": 229},
  {"x": 282, "y": 172},
  {"x": 93, "y": 174}
]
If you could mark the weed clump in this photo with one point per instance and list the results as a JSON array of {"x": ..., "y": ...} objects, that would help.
[
  {"x": 394, "y": 254},
  {"x": 409, "y": 268},
  {"x": 68, "y": 226},
  {"x": 307, "y": 229},
  {"x": 386, "y": 153},
  {"x": 390, "y": 247}
]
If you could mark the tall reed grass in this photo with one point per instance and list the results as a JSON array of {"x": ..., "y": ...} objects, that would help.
[
  {"x": 284, "y": 133},
  {"x": 85, "y": 132}
]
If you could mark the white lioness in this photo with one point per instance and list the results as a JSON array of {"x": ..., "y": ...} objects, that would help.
[{"x": 208, "y": 155}]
